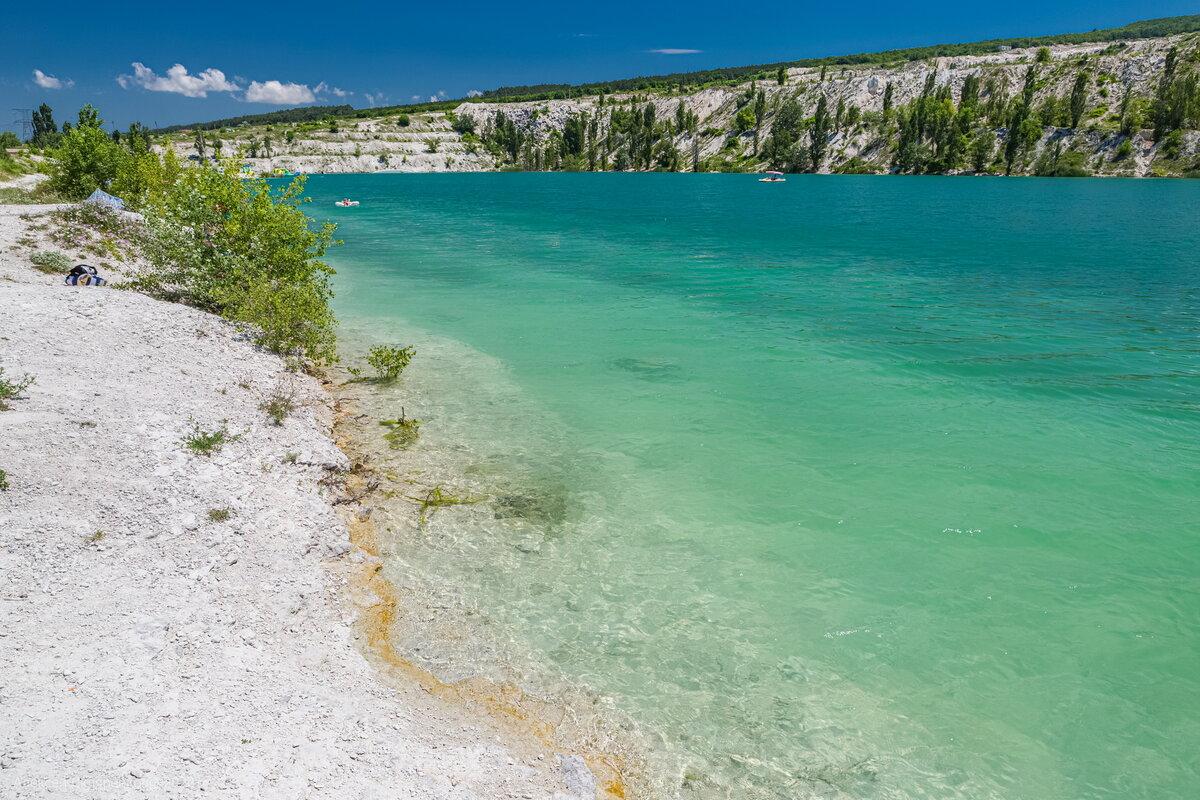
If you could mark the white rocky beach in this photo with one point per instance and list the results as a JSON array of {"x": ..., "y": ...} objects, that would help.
[{"x": 175, "y": 624}]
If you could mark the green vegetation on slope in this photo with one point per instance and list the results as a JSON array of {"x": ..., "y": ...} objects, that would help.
[
  {"x": 212, "y": 240},
  {"x": 1145, "y": 29},
  {"x": 302, "y": 114}
]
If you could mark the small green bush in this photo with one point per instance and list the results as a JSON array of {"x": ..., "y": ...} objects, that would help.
[
  {"x": 11, "y": 388},
  {"x": 403, "y": 121},
  {"x": 205, "y": 443},
  {"x": 1124, "y": 150},
  {"x": 3, "y": 481},
  {"x": 278, "y": 406},
  {"x": 51, "y": 263},
  {"x": 463, "y": 124},
  {"x": 389, "y": 361},
  {"x": 220, "y": 514}
]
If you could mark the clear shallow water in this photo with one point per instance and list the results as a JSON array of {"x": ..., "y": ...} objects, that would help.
[{"x": 852, "y": 486}]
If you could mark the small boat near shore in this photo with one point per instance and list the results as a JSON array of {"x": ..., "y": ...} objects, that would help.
[
  {"x": 772, "y": 177},
  {"x": 346, "y": 202}
]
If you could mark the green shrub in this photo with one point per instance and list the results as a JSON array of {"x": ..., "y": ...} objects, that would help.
[
  {"x": 403, "y": 121},
  {"x": 50, "y": 262},
  {"x": 1124, "y": 150},
  {"x": 3, "y": 481},
  {"x": 11, "y": 389},
  {"x": 87, "y": 159},
  {"x": 220, "y": 514},
  {"x": 205, "y": 443},
  {"x": 744, "y": 120},
  {"x": 278, "y": 406},
  {"x": 1172, "y": 145},
  {"x": 463, "y": 124},
  {"x": 232, "y": 247},
  {"x": 1043, "y": 55},
  {"x": 388, "y": 361}
]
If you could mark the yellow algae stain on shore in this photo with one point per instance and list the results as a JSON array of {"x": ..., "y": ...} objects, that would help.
[{"x": 378, "y": 601}]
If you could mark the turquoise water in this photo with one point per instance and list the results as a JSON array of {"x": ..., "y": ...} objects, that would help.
[{"x": 867, "y": 487}]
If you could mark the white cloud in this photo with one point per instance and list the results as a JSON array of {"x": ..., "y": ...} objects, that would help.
[
  {"x": 325, "y": 88},
  {"x": 279, "y": 94},
  {"x": 178, "y": 81},
  {"x": 474, "y": 93},
  {"x": 50, "y": 82},
  {"x": 416, "y": 97},
  {"x": 675, "y": 51}
]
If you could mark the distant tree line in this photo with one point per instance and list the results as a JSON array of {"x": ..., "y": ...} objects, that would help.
[
  {"x": 304, "y": 114},
  {"x": 1145, "y": 29}
]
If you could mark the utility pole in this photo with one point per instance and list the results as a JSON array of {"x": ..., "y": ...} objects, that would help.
[{"x": 24, "y": 118}]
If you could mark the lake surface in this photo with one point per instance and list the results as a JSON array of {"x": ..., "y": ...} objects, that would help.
[{"x": 852, "y": 486}]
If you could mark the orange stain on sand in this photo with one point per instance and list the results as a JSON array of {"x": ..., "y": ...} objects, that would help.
[{"x": 506, "y": 704}]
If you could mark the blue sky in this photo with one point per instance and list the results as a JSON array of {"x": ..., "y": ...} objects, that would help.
[{"x": 239, "y": 58}]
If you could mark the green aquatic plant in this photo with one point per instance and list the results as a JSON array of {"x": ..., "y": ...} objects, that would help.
[
  {"x": 437, "y": 498},
  {"x": 402, "y": 432},
  {"x": 545, "y": 506},
  {"x": 389, "y": 361}
]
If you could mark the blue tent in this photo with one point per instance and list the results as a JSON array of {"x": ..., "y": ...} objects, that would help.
[{"x": 106, "y": 199}]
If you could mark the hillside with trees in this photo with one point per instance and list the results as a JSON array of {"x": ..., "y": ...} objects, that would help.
[{"x": 1120, "y": 101}]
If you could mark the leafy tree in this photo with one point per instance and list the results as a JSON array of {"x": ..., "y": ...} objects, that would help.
[
  {"x": 574, "y": 134},
  {"x": 45, "y": 131},
  {"x": 1162, "y": 97},
  {"x": 781, "y": 76},
  {"x": 760, "y": 113},
  {"x": 1023, "y": 131},
  {"x": 89, "y": 117},
  {"x": 1079, "y": 97},
  {"x": 783, "y": 149},
  {"x": 85, "y": 160},
  {"x": 819, "y": 133},
  {"x": 463, "y": 124},
  {"x": 744, "y": 120},
  {"x": 981, "y": 148},
  {"x": 137, "y": 138}
]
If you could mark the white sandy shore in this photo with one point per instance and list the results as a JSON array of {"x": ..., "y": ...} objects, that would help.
[{"x": 147, "y": 650}]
